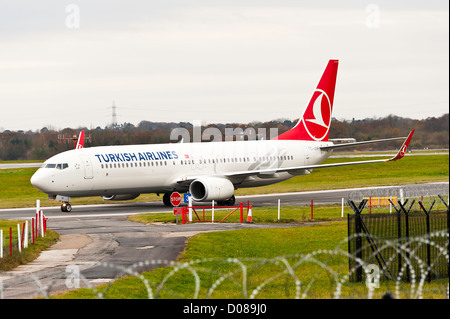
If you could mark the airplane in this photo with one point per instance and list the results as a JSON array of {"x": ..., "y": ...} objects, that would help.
[{"x": 208, "y": 170}]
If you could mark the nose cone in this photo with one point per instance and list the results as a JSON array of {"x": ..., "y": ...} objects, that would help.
[{"x": 39, "y": 181}]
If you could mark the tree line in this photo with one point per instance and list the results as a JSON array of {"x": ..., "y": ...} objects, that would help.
[{"x": 431, "y": 133}]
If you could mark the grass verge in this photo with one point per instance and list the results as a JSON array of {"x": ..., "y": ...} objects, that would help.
[
  {"x": 11, "y": 261},
  {"x": 261, "y": 215},
  {"x": 277, "y": 263}
]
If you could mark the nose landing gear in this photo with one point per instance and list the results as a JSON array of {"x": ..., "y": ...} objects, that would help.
[{"x": 66, "y": 207}]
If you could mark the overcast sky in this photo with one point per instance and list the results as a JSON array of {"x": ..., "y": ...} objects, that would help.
[{"x": 64, "y": 63}]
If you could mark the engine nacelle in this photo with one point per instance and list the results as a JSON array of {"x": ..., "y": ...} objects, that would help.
[
  {"x": 209, "y": 188},
  {"x": 121, "y": 197}
]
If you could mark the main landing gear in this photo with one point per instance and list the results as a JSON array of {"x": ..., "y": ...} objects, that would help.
[
  {"x": 166, "y": 200},
  {"x": 66, "y": 207},
  {"x": 228, "y": 202}
]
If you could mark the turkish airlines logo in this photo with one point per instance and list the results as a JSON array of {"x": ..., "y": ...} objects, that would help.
[
  {"x": 317, "y": 118},
  {"x": 403, "y": 150}
]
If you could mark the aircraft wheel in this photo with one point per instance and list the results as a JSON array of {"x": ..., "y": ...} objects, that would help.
[
  {"x": 66, "y": 207},
  {"x": 166, "y": 200},
  {"x": 228, "y": 202}
]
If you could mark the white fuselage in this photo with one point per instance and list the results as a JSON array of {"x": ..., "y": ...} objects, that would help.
[{"x": 162, "y": 168}]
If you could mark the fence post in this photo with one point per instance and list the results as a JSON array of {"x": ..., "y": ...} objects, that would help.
[
  {"x": 36, "y": 226},
  {"x": 241, "y": 206},
  {"x": 278, "y": 209},
  {"x": 349, "y": 247},
  {"x": 358, "y": 237},
  {"x": 19, "y": 244},
  {"x": 32, "y": 229},
  {"x": 25, "y": 243},
  {"x": 427, "y": 213},
  {"x": 41, "y": 213},
  {"x": 448, "y": 230},
  {"x": 407, "y": 236},
  {"x": 10, "y": 240},
  {"x": 399, "y": 239},
  {"x": 358, "y": 246},
  {"x": 190, "y": 209},
  {"x": 22, "y": 241}
]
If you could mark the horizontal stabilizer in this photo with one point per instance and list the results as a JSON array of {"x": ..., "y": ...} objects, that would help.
[{"x": 344, "y": 145}]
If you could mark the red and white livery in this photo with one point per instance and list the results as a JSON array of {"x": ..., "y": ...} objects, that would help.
[{"x": 209, "y": 171}]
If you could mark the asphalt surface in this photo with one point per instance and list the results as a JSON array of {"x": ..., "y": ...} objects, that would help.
[
  {"x": 286, "y": 199},
  {"x": 97, "y": 250}
]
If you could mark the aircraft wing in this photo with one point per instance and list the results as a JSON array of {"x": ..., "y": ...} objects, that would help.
[{"x": 401, "y": 152}]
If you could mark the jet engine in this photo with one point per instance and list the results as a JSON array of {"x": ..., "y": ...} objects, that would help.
[
  {"x": 209, "y": 188},
  {"x": 121, "y": 197}
]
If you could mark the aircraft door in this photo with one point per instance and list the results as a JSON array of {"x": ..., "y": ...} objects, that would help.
[
  {"x": 307, "y": 155},
  {"x": 88, "y": 169}
]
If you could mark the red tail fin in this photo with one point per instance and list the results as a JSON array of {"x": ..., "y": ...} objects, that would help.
[
  {"x": 80, "y": 143},
  {"x": 314, "y": 125}
]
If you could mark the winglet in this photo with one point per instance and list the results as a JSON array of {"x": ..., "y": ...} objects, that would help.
[
  {"x": 80, "y": 143},
  {"x": 402, "y": 150}
]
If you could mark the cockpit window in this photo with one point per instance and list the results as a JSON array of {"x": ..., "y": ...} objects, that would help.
[{"x": 57, "y": 166}]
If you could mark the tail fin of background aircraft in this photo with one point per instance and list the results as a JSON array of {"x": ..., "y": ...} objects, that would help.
[
  {"x": 80, "y": 143},
  {"x": 314, "y": 125}
]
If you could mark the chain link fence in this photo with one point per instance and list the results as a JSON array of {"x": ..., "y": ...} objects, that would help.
[{"x": 378, "y": 198}]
